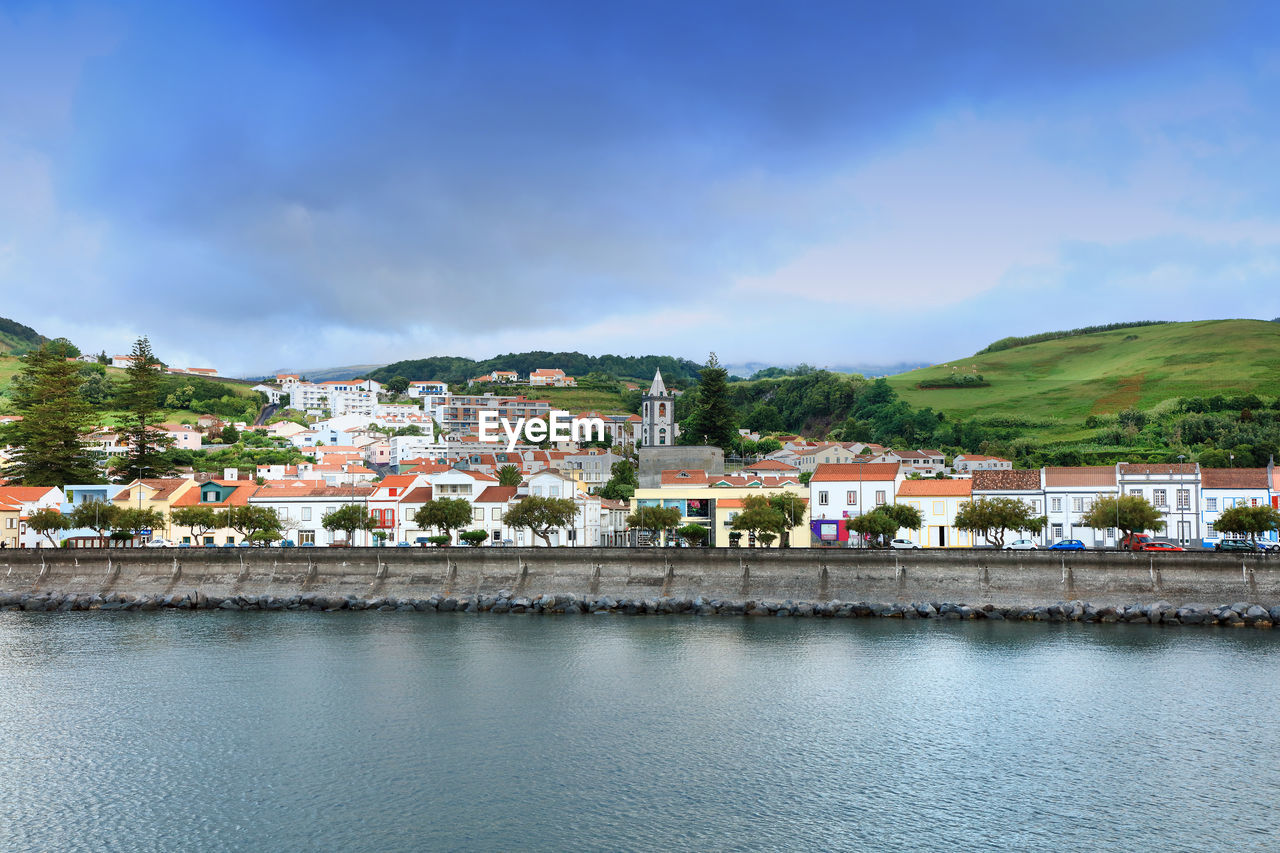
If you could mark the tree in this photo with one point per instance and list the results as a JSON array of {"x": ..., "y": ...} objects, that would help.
[
  {"x": 397, "y": 384},
  {"x": 792, "y": 507},
  {"x": 47, "y": 521},
  {"x": 712, "y": 422},
  {"x": 444, "y": 514},
  {"x": 1248, "y": 521},
  {"x": 509, "y": 475},
  {"x": 759, "y": 517},
  {"x": 763, "y": 419},
  {"x": 133, "y": 520},
  {"x": 879, "y": 526},
  {"x": 96, "y": 389},
  {"x": 198, "y": 519},
  {"x": 139, "y": 395},
  {"x": 542, "y": 515},
  {"x": 248, "y": 520},
  {"x": 1128, "y": 514},
  {"x": 348, "y": 518},
  {"x": 229, "y": 434},
  {"x": 474, "y": 538},
  {"x": 907, "y": 517},
  {"x": 654, "y": 519},
  {"x": 622, "y": 482},
  {"x": 48, "y": 444},
  {"x": 768, "y": 445},
  {"x": 98, "y": 516},
  {"x": 693, "y": 534},
  {"x": 991, "y": 517}
]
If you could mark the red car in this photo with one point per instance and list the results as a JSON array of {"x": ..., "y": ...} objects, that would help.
[{"x": 1159, "y": 546}]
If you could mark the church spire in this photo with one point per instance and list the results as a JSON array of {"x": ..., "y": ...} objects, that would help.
[{"x": 657, "y": 389}]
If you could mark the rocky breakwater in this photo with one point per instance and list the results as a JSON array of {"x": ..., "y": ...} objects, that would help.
[{"x": 1235, "y": 615}]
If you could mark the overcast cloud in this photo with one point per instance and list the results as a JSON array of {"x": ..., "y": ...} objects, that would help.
[{"x": 267, "y": 185}]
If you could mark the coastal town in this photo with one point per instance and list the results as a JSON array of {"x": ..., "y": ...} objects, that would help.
[{"x": 397, "y": 453}]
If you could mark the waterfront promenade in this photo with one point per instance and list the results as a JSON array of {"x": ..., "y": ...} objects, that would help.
[{"x": 735, "y": 580}]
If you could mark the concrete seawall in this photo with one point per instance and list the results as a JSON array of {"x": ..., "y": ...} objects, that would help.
[{"x": 975, "y": 577}]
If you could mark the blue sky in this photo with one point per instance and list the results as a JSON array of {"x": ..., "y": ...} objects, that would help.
[{"x": 264, "y": 185}]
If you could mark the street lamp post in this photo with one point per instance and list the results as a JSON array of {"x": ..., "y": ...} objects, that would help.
[{"x": 1178, "y": 499}]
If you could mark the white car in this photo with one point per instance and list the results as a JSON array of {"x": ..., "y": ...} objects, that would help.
[
  {"x": 1021, "y": 545},
  {"x": 159, "y": 543},
  {"x": 903, "y": 543}
]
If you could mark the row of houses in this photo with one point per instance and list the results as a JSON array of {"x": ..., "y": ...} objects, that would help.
[
  {"x": 1189, "y": 498},
  {"x": 301, "y": 504}
]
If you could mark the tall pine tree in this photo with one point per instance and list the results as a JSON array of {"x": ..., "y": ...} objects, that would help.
[
  {"x": 713, "y": 420},
  {"x": 140, "y": 397},
  {"x": 49, "y": 445}
]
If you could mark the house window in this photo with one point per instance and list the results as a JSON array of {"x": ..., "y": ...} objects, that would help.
[
  {"x": 851, "y": 498},
  {"x": 880, "y": 497},
  {"x": 1035, "y": 505},
  {"x": 1213, "y": 532},
  {"x": 1211, "y": 504},
  {"x": 1159, "y": 497},
  {"x": 1057, "y": 504},
  {"x": 939, "y": 508},
  {"x": 822, "y": 498},
  {"x": 306, "y": 513},
  {"x": 1136, "y": 493},
  {"x": 306, "y": 537},
  {"x": 1252, "y": 501},
  {"x": 495, "y": 514},
  {"x": 477, "y": 514},
  {"x": 1184, "y": 499},
  {"x": 208, "y": 541},
  {"x": 1077, "y": 504}
]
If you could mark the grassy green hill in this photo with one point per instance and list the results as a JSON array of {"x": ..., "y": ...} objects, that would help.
[
  {"x": 1105, "y": 372},
  {"x": 15, "y": 337}
]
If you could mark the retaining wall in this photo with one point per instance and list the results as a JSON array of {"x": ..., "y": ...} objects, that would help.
[{"x": 996, "y": 577}]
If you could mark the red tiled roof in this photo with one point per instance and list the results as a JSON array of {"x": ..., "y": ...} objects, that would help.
[
  {"x": 684, "y": 477},
  {"x": 935, "y": 488},
  {"x": 769, "y": 465},
  {"x": 1080, "y": 475},
  {"x": 842, "y": 472},
  {"x": 496, "y": 495},
  {"x": 1233, "y": 478},
  {"x": 421, "y": 494}
]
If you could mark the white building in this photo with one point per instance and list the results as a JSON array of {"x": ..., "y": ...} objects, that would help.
[
  {"x": 1224, "y": 488},
  {"x": 1174, "y": 489},
  {"x": 302, "y": 506},
  {"x": 1069, "y": 493},
  {"x": 967, "y": 463},
  {"x": 842, "y": 491}
]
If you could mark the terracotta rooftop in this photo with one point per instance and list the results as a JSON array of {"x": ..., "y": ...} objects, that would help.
[
  {"x": 769, "y": 465},
  {"x": 1233, "y": 478},
  {"x": 1084, "y": 475},
  {"x": 1007, "y": 481},
  {"x": 684, "y": 477},
  {"x": 833, "y": 472},
  {"x": 935, "y": 488},
  {"x": 496, "y": 495}
]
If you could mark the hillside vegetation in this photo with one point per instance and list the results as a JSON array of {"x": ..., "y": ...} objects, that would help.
[
  {"x": 17, "y": 338},
  {"x": 1101, "y": 373},
  {"x": 453, "y": 369}
]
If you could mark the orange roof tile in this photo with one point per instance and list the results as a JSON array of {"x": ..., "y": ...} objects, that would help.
[
  {"x": 935, "y": 488},
  {"x": 833, "y": 472}
]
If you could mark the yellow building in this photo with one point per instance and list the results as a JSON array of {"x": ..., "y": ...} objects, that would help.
[
  {"x": 938, "y": 502},
  {"x": 714, "y": 502},
  {"x": 10, "y": 523}
]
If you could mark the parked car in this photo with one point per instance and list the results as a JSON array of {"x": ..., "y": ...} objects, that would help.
[
  {"x": 1134, "y": 541},
  {"x": 1235, "y": 545},
  {"x": 403, "y": 545},
  {"x": 307, "y": 545},
  {"x": 1022, "y": 545},
  {"x": 1067, "y": 545},
  {"x": 903, "y": 544},
  {"x": 1159, "y": 546},
  {"x": 1274, "y": 546},
  {"x": 228, "y": 544},
  {"x": 159, "y": 543},
  {"x": 287, "y": 543}
]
